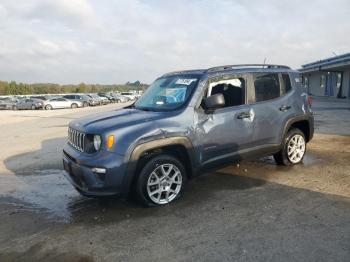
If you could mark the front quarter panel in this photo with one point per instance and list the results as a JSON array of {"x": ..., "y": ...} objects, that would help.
[{"x": 173, "y": 124}]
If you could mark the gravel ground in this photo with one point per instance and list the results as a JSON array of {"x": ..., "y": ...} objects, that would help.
[{"x": 254, "y": 211}]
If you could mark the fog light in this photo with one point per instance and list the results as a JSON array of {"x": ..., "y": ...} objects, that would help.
[{"x": 98, "y": 170}]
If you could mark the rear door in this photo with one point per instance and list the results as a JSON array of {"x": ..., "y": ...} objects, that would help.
[
  {"x": 29, "y": 103},
  {"x": 65, "y": 102},
  {"x": 273, "y": 105},
  {"x": 21, "y": 104}
]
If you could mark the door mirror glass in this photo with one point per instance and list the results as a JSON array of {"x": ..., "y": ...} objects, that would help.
[{"x": 214, "y": 102}]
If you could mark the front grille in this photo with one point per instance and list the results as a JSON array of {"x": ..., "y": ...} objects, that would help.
[{"x": 76, "y": 139}]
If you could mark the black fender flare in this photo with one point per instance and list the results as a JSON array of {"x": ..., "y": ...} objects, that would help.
[
  {"x": 154, "y": 144},
  {"x": 308, "y": 117}
]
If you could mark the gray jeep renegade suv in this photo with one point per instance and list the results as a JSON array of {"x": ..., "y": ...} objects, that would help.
[{"x": 185, "y": 123}]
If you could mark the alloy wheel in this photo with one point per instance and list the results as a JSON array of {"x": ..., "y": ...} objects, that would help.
[
  {"x": 296, "y": 148},
  {"x": 164, "y": 184}
]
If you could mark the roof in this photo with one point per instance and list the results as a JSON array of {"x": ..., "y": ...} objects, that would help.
[
  {"x": 240, "y": 68},
  {"x": 340, "y": 62}
]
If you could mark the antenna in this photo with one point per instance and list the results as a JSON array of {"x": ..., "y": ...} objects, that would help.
[
  {"x": 264, "y": 62},
  {"x": 334, "y": 53}
]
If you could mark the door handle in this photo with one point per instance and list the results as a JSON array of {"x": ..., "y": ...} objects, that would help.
[
  {"x": 284, "y": 108},
  {"x": 244, "y": 115}
]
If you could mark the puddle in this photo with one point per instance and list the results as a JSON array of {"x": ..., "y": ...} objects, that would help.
[
  {"x": 41, "y": 191},
  {"x": 309, "y": 159}
]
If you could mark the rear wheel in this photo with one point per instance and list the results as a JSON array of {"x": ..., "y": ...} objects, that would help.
[
  {"x": 14, "y": 107},
  {"x": 293, "y": 150},
  {"x": 74, "y": 105},
  {"x": 48, "y": 107},
  {"x": 161, "y": 181},
  {"x": 85, "y": 104},
  {"x": 33, "y": 107}
]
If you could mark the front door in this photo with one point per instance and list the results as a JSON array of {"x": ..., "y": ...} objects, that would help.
[{"x": 223, "y": 134}]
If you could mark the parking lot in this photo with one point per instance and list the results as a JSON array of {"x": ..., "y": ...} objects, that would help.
[{"x": 253, "y": 211}]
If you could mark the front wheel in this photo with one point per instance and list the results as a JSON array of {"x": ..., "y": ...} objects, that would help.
[
  {"x": 48, "y": 107},
  {"x": 161, "y": 181},
  {"x": 74, "y": 105},
  {"x": 293, "y": 150}
]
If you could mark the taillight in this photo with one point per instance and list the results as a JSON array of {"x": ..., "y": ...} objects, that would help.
[{"x": 309, "y": 100}]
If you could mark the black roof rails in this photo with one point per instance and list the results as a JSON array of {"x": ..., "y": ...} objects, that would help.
[{"x": 227, "y": 67}]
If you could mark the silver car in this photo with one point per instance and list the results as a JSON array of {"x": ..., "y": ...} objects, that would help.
[
  {"x": 120, "y": 98},
  {"x": 61, "y": 102},
  {"x": 29, "y": 104}
]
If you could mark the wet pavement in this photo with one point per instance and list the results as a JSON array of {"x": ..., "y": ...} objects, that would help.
[{"x": 253, "y": 211}]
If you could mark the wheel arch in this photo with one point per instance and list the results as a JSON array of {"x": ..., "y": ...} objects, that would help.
[
  {"x": 179, "y": 147},
  {"x": 303, "y": 123}
]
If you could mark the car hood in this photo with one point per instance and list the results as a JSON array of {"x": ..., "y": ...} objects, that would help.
[{"x": 98, "y": 123}]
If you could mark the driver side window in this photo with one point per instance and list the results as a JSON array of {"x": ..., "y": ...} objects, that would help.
[{"x": 233, "y": 90}]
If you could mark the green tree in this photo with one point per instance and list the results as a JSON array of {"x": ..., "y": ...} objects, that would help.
[{"x": 81, "y": 88}]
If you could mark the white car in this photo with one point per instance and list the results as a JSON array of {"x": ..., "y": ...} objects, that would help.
[
  {"x": 120, "y": 98},
  {"x": 60, "y": 102},
  {"x": 129, "y": 95}
]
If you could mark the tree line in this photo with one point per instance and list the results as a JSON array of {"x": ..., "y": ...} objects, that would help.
[{"x": 14, "y": 88}]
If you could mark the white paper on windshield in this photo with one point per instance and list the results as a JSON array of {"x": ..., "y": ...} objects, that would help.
[{"x": 185, "y": 81}]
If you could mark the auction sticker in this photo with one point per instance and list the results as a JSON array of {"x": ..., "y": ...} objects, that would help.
[{"x": 185, "y": 81}]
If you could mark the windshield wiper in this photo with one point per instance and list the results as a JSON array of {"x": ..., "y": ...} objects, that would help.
[{"x": 144, "y": 108}]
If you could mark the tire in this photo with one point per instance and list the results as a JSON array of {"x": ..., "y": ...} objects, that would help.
[
  {"x": 14, "y": 108},
  {"x": 48, "y": 107},
  {"x": 33, "y": 107},
  {"x": 287, "y": 155},
  {"x": 85, "y": 104},
  {"x": 74, "y": 105},
  {"x": 152, "y": 179}
]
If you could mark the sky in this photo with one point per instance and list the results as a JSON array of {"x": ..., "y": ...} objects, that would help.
[{"x": 109, "y": 42}]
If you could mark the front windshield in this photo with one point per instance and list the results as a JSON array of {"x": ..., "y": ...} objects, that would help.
[{"x": 167, "y": 93}]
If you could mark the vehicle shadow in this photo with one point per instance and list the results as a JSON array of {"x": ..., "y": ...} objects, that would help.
[{"x": 47, "y": 189}]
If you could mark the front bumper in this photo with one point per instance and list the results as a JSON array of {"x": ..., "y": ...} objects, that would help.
[{"x": 78, "y": 167}]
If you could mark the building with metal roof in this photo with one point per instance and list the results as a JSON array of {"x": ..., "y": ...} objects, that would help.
[{"x": 328, "y": 77}]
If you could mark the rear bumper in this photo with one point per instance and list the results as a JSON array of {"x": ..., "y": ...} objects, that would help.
[{"x": 79, "y": 171}]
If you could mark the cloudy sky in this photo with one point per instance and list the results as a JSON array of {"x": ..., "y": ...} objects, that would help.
[{"x": 73, "y": 41}]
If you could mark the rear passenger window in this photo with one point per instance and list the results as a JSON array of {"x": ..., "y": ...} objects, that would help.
[
  {"x": 286, "y": 87},
  {"x": 267, "y": 87}
]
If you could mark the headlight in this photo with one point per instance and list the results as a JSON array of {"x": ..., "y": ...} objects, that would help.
[{"x": 97, "y": 142}]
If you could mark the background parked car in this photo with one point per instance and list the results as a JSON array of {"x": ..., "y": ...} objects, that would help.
[
  {"x": 8, "y": 103},
  {"x": 27, "y": 103},
  {"x": 61, "y": 102},
  {"x": 82, "y": 98},
  {"x": 120, "y": 98},
  {"x": 106, "y": 98},
  {"x": 40, "y": 97},
  {"x": 96, "y": 100},
  {"x": 129, "y": 95}
]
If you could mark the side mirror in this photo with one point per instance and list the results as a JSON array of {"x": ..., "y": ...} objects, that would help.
[{"x": 214, "y": 102}]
